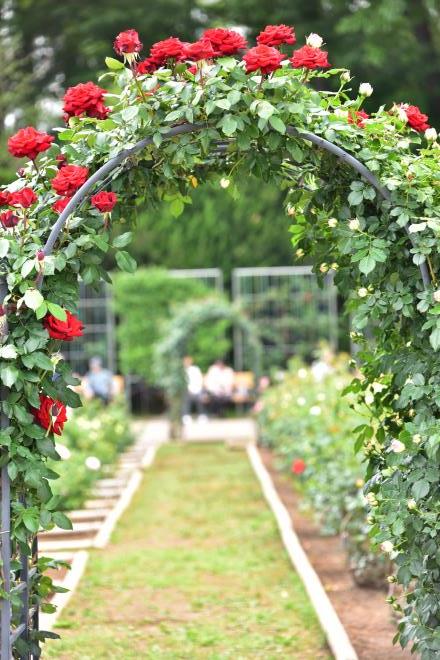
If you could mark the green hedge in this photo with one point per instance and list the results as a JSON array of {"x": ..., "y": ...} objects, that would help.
[{"x": 144, "y": 301}]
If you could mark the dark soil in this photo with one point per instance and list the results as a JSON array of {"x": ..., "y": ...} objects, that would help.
[{"x": 364, "y": 613}]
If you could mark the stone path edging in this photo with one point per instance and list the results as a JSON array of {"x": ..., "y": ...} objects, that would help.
[{"x": 335, "y": 632}]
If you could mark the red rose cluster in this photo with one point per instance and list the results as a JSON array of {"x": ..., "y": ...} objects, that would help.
[
  {"x": 85, "y": 99},
  {"x": 309, "y": 57},
  {"x": 63, "y": 330},
  {"x": 298, "y": 466},
  {"x": 69, "y": 178},
  {"x": 23, "y": 198},
  {"x": 263, "y": 58},
  {"x": 51, "y": 414},
  {"x": 28, "y": 143},
  {"x": 104, "y": 201},
  {"x": 358, "y": 118},
  {"x": 127, "y": 43},
  {"x": 275, "y": 35},
  {"x": 224, "y": 42},
  {"x": 416, "y": 119},
  {"x": 8, "y": 219},
  {"x": 60, "y": 204}
]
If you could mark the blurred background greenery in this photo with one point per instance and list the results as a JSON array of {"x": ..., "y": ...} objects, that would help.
[{"x": 47, "y": 46}]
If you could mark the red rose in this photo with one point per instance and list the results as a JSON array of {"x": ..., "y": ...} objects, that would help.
[
  {"x": 127, "y": 42},
  {"x": 69, "y": 179},
  {"x": 275, "y": 35},
  {"x": 310, "y": 58},
  {"x": 65, "y": 330},
  {"x": 51, "y": 414},
  {"x": 5, "y": 196},
  {"x": 85, "y": 99},
  {"x": 298, "y": 466},
  {"x": 264, "y": 58},
  {"x": 225, "y": 42},
  {"x": 358, "y": 119},
  {"x": 60, "y": 204},
  {"x": 8, "y": 219},
  {"x": 416, "y": 119},
  {"x": 192, "y": 69},
  {"x": 168, "y": 49},
  {"x": 28, "y": 143},
  {"x": 146, "y": 66},
  {"x": 61, "y": 161},
  {"x": 104, "y": 201},
  {"x": 199, "y": 50},
  {"x": 24, "y": 198}
]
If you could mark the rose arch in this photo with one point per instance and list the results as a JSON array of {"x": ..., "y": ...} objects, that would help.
[{"x": 362, "y": 191}]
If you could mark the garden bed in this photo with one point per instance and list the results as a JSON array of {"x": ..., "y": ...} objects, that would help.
[{"x": 363, "y": 611}]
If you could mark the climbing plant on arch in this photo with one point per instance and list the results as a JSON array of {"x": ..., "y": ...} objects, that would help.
[
  {"x": 363, "y": 195},
  {"x": 178, "y": 332}
]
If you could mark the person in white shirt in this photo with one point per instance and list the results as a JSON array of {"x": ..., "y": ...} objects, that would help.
[
  {"x": 194, "y": 390},
  {"x": 219, "y": 382}
]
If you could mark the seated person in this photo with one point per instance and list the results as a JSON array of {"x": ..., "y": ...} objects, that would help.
[
  {"x": 194, "y": 390},
  {"x": 98, "y": 382},
  {"x": 219, "y": 383}
]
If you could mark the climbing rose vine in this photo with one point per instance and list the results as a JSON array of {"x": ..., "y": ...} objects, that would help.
[{"x": 235, "y": 113}]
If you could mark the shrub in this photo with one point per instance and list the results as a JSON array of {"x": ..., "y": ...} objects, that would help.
[{"x": 308, "y": 423}]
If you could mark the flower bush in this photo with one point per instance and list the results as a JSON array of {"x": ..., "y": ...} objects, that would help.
[
  {"x": 91, "y": 442},
  {"x": 230, "y": 119},
  {"x": 309, "y": 424}
]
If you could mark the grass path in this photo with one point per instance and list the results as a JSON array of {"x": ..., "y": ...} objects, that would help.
[{"x": 195, "y": 569}]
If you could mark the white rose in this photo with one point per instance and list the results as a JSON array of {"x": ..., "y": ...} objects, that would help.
[
  {"x": 334, "y": 266},
  {"x": 396, "y": 446},
  {"x": 290, "y": 209},
  {"x": 378, "y": 387},
  {"x": 299, "y": 253},
  {"x": 224, "y": 183},
  {"x": 332, "y": 222},
  {"x": 362, "y": 292},
  {"x": 323, "y": 268},
  {"x": 315, "y": 411},
  {"x": 436, "y": 295},
  {"x": 400, "y": 111},
  {"x": 314, "y": 40},
  {"x": 63, "y": 451},
  {"x": 354, "y": 224},
  {"x": 92, "y": 463},
  {"x": 369, "y": 398},
  {"x": 417, "y": 438},
  {"x": 411, "y": 504},
  {"x": 431, "y": 134},
  {"x": 387, "y": 546},
  {"x": 339, "y": 112},
  {"x": 346, "y": 76},
  {"x": 365, "y": 89}
]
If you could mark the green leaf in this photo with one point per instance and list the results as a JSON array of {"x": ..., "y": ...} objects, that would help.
[
  {"x": 114, "y": 65},
  {"x": 122, "y": 240},
  {"x": 9, "y": 375},
  {"x": 420, "y": 489},
  {"x": 125, "y": 261},
  {"x": 229, "y": 125},
  {"x": 367, "y": 264},
  {"x": 355, "y": 197},
  {"x": 277, "y": 124},
  {"x": 61, "y": 520},
  {"x": 434, "y": 339},
  {"x": 57, "y": 311}
]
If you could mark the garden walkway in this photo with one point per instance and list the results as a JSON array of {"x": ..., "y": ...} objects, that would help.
[{"x": 195, "y": 569}]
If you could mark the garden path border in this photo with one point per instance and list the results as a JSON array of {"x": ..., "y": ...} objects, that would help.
[{"x": 335, "y": 633}]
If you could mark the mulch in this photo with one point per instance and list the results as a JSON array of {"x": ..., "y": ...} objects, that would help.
[{"x": 364, "y": 613}]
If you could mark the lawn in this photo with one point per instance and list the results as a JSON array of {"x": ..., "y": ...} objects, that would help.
[{"x": 195, "y": 569}]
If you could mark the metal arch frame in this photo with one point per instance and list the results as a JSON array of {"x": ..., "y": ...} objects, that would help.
[{"x": 8, "y": 636}]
